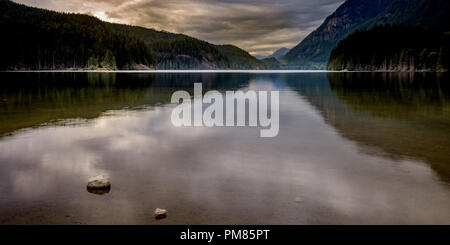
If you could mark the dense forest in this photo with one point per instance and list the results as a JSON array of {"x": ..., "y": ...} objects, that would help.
[
  {"x": 178, "y": 51},
  {"x": 38, "y": 39},
  {"x": 271, "y": 63},
  {"x": 394, "y": 48},
  {"x": 240, "y": 59},
  {"x": 314, "y": 51},
  {"x": 41, "y": 39},
  {"x": 188, "y": 53}
]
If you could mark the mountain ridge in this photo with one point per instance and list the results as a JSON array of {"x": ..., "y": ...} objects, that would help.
[
  {"x": 276, "y": 54},
  {"x": 169, "y": 54},
  {"x": 37, "y": 39},
  {"x": 313, "y": 52}
]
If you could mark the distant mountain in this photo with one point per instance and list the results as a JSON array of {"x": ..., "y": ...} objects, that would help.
[
  {"x": 42, "y": 39},
  {"x": 277, "y": 54},
  {"x": 314, "y": 51}
]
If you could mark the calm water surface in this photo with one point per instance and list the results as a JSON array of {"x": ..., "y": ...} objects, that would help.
[{"x": 358, "y": 148}]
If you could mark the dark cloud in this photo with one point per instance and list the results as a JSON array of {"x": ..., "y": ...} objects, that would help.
[{"x": 257, "y": 26}]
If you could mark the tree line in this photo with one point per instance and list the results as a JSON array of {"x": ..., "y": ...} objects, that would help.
[
  {"x": 393, "y": 48},
  {"x": 41, "y": 39},
  {"x": 37, "y": 39}
]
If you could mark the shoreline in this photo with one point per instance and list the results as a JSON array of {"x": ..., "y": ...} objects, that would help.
[{"x": 209, "y": 71}]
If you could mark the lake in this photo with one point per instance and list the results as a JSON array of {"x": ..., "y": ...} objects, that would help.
[{"x": 352, "y": 148}]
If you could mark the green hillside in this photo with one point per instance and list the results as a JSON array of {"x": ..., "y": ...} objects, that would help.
[
  {"x": 188, "y": 53},
  {"x": 41, "y": 39},
  {"x": 146, "y": 34},
  {"x": 37, "y": 39},
  {"x": 178, "y": 51},
  {"x": 240, "y": 59},
  {"x": 271, "y": 63}
]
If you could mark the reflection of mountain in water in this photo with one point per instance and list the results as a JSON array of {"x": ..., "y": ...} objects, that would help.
[
  {"x": 391, "y": 114},
  {"x": 32, "y": 99},
  {"x": 397, "y": 115}
]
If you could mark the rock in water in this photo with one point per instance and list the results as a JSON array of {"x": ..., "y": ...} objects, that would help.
[
  {"x": 160, "y": 213},
  {"x": 100, "y": 182}
]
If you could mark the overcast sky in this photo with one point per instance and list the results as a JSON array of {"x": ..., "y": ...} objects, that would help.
[{"x": 258, "y": 26}]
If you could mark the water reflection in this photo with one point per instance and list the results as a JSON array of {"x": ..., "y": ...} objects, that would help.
[
  {"x": 215, "y": 175},
  {"x": 32, "y": 99},
  {"x": 400, "y": 115},
  {"x": 99, "y": 192}
]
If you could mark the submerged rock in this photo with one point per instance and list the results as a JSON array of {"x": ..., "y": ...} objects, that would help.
[
  {"x": 99, "y": 183},
  {"x": 160, "y": 213}
]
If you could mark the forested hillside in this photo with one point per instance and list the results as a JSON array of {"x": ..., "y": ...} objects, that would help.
[
  {"x": 429, "y": 14},
  {"x": 188, "y": 53},
  {"x": 146, "y": 34},
  {"x": 41, "y": 39},
  {"x": 394, "y": 48},
  {"x": 38, "y": 39},
  {"x": 314, "y": 51},
  {"x": 178, "y": 51},
  {"x": 271, "y": 63},
  {"x": 240, "y": 59}
]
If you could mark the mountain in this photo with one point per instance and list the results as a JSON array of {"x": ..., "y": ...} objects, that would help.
[
  {"x": 179, "y": 51},
  {"x": 259, "y": 57},
  {"x": 241, "y": 59},
  {"x": 314, "y": 50},
  {"x": 36, "y": 39},
  {"x": 393, "y": 48},
  {"x": 429, "y": 14},
  {"x": 277, "y": 54},
  {"x": 188, "y": 53},
  {"x": 146, "y": 34},
  {"x": 271, "y": 63},
  {"x": 280, "y": 52},
  {"x": 407, "y": 36}
]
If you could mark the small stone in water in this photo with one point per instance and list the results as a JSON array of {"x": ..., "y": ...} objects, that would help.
[
  {"x": 100, "y": 182},
  {"x": 160, "y": 213}
]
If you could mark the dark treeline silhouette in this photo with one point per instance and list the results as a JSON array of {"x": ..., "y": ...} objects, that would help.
[
  {"x": 240, "y": 59},
  {"x": 178, "y": 51},
  {"x": 37, "y": 39},
  {"x": 41, "y": 39},
  {"x": 188, "y": 53},
  {"x": 394, "y": 48}
]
